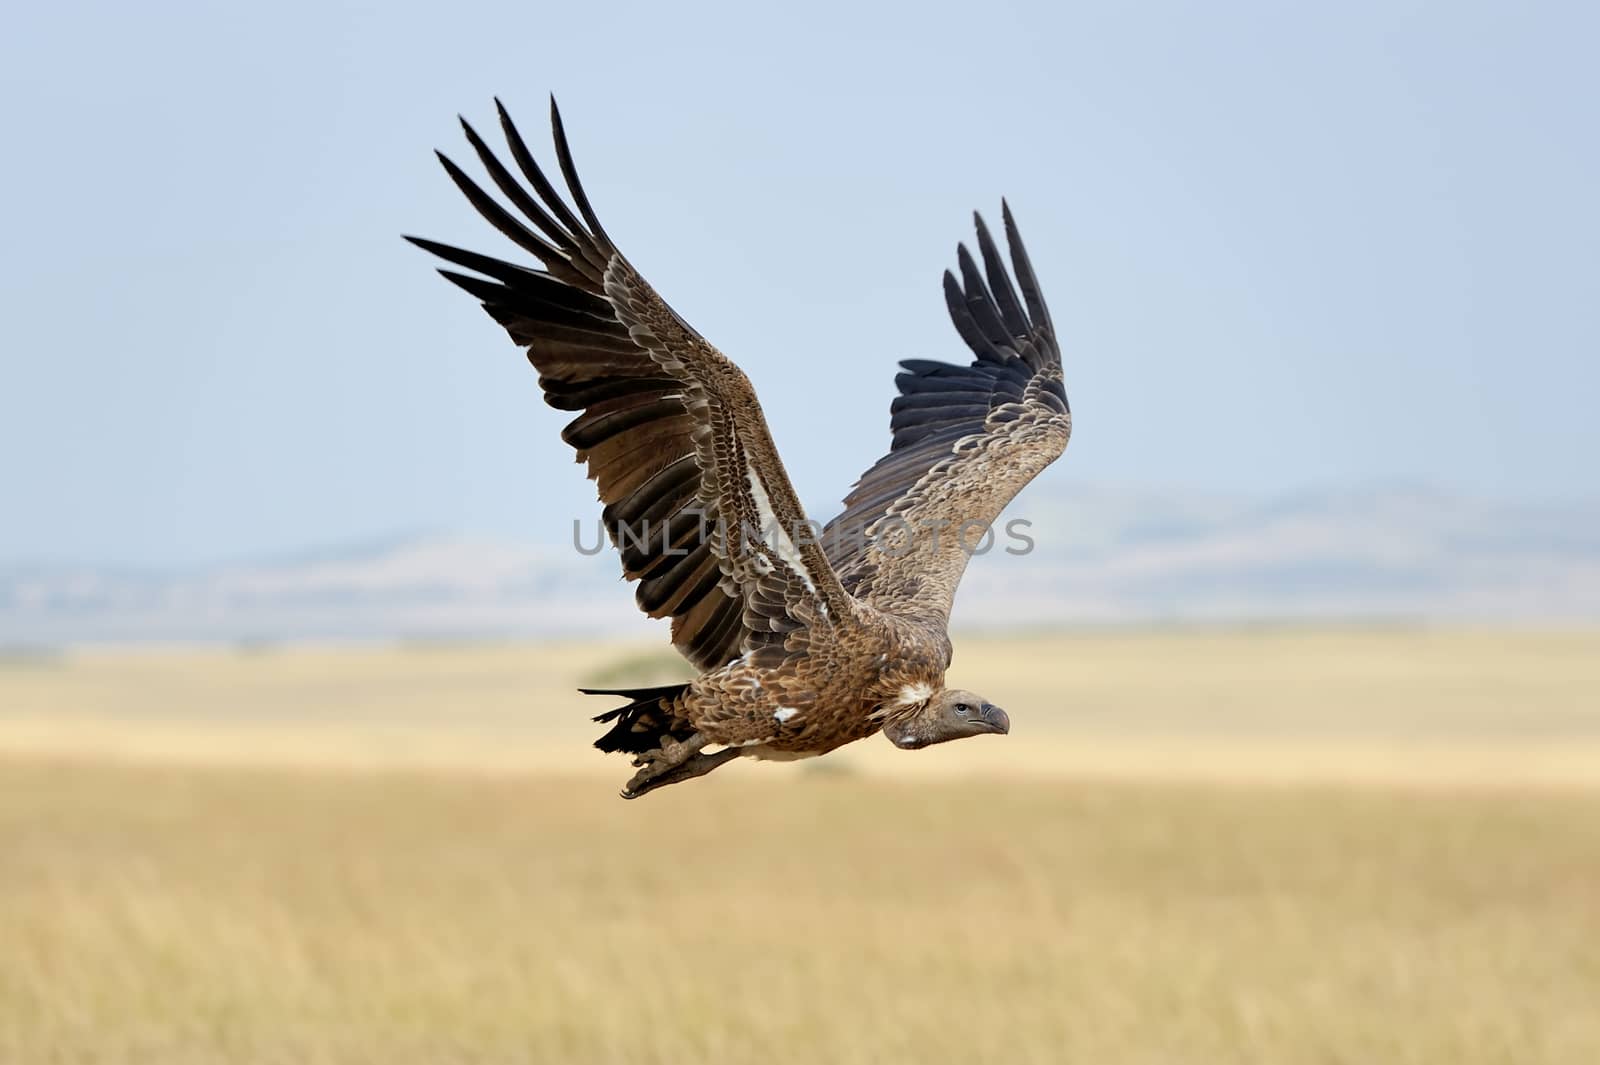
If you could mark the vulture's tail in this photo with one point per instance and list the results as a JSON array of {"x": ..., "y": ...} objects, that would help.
[{"x": 651, "y": 714}]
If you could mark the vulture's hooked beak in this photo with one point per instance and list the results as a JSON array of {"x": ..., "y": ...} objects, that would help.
[{"x": 995, "y": 719}]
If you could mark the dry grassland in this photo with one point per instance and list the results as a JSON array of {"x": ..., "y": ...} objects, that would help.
[{"x": 1275, "y": 847}]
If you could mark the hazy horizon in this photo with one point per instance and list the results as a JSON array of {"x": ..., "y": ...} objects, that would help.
[
  {"x": 1092, "y": 555},
  {"x": 546, "y": 530}
]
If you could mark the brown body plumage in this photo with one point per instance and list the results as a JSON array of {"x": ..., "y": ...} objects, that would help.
[{"x": 806, "y": 639}]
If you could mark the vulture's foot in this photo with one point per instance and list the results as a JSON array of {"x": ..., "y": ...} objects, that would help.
[
  {"x": 670, "y": 753},
  {"x": 664, "y": 759},
  {"x": 660, "y": 772}
]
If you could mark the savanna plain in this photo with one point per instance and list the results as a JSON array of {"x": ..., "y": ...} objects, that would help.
[{"x": 1249, "y": 845}]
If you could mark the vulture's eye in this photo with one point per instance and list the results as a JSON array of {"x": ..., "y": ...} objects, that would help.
[{"x": 963, "y": 709}]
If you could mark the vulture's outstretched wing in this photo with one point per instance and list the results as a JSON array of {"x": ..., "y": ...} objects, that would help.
[
  {"x": 966, "y": 439},
  {"x": 697, "y": 501}
]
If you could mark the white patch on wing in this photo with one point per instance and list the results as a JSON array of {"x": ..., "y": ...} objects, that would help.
[
  {"x": 784, "y": 713},
  {"x": 784, "y": 546},
  {"x": 912, "y": 694}
]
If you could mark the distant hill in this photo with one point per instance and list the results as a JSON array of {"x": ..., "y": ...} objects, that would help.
[{"x": 1100, "y": 556}]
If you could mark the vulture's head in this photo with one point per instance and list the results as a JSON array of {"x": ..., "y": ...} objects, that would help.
[{"x": 949, "y": 715}]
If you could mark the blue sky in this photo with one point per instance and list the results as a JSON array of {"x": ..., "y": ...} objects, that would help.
[{"x": 1287, "y": 246}]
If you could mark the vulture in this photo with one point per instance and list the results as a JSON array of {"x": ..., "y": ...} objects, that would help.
[{"x": 804, "y": 638}]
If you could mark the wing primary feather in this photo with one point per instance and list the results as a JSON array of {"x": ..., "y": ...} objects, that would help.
[
  {"x": 516, "y": 193},
  {"x": 569, "y": 171},
  {"x": 484, "y": 264},
  {"x": 981, "y": 303},
  {"x": 530, "y": 284},
  {"x": 961, "y": 315},
  {"x": 501, "y": 219},
  {"x": 1004, "y": 292},
  {"x": 487, "y": 292},
  {"x": 531, "y": 170},
  {"x": 1024, "y": 271},
  {"x": 600, "y": 254},
  {"x": 563, "y": 319}
]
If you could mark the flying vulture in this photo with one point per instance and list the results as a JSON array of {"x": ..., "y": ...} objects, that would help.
[{"x": 805, "y": 639}]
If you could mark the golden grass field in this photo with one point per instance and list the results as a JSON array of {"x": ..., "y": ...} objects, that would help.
[{"x": 1195, "y": 846}]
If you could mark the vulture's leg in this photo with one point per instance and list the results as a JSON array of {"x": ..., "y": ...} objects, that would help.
[
  {"x": 671, "y": 754},
  {"x": 662, "y": 760},
  {"x": 695, "y": 765}
]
